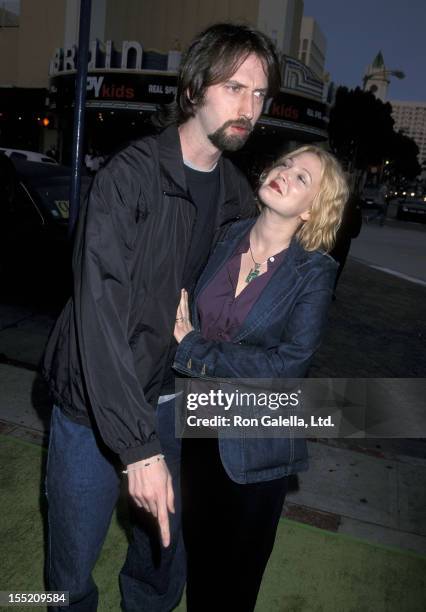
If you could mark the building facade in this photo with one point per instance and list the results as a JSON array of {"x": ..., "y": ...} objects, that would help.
[
  {"x": 135, "y": 52},
  {"x": 410, "y": 118},
  {"x": 313, "y": 46},
  {"x": 281, "y": 20},
  {"x": 29, "y": 36}
]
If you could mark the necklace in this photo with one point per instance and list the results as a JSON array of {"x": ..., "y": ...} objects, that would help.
[{"x": 254, "y": 272}]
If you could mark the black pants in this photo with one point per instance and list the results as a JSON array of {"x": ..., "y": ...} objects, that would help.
[{"x": 229, "y": 531}]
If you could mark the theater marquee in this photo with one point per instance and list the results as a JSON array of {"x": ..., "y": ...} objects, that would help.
[{"x": 130, "y": 79}]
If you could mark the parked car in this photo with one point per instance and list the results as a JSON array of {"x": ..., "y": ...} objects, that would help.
[
  {"x": 34, "y": 210},
  {"x": 414, "y": 210},
  {"x": 33, "y": 156},
  {"x": 410, "y": 195}
]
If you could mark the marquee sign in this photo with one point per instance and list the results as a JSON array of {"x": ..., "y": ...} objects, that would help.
[
  {"x": 148, "y": 88},
  {"x": 118, "y": 80},
  {"x": 298, "y": 109},
  {"x": 299, "y": 78},
  {"x": 295, "y": 75},
  {"x": 152, "y": 88}
]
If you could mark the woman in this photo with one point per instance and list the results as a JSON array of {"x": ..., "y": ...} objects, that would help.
[{"x": 259, "y": 311}]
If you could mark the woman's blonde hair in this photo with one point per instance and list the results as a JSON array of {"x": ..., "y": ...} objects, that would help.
[{"x": 319, "y": 231}]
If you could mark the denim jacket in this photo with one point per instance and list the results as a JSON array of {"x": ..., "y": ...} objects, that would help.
[{"x": 277, "y": 340}]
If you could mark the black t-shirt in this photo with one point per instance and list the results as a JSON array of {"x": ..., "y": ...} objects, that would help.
[{"x": 203, "y": 188}]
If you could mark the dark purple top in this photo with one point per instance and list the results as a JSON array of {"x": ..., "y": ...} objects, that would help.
[{"x": 221, "y": 313}]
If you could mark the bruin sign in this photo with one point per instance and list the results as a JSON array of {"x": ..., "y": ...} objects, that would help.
[
  {"x": 106, "y": 56},
  {"x": 130, "y": 58}
]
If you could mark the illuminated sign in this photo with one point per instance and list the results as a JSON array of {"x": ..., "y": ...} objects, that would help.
[
  {"x": 297, "y": 109},
  {"x": 121, "y": 79},
  {"x": 148, "y": 88},
  {"x": 154, "y": 88}
]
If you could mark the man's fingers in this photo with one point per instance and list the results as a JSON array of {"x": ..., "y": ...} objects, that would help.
[
  {"x": 151, "y": 488},
  {"x": 143, "y": 505},
  {"x": 140, "y": 502},
  {"x": 170, "y": 497},
  {"x": 163, "y": 523},
  {"x": 151, "y": 507}
]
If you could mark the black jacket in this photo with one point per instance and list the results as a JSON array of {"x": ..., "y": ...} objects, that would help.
[{"x": 106, "y": 355}]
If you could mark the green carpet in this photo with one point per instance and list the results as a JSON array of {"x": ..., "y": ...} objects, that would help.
[{"x": 310, "y": 570}]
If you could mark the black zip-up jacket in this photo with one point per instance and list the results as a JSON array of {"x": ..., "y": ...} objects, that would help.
[{"x": 106, "y": 355}]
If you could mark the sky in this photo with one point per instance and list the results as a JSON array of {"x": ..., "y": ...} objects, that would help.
[{"x": 356, "y": 30}]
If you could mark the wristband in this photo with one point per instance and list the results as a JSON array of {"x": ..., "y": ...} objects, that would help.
[{"x": 134, "y": 469}]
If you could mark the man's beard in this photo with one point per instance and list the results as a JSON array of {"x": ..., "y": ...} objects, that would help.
[{"x": 231, "y": 142}]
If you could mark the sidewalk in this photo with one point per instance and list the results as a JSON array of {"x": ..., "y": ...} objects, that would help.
[{"x": 370, "y": 489}]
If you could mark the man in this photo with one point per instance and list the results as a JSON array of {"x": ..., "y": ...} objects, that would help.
[
  {"x": 349, "y": 229},
  {"x": 381, "y": 202},
  {"x": 144, "y": 233}
]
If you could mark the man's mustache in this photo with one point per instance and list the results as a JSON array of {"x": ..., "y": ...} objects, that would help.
[{"x": 241, "y": 122}]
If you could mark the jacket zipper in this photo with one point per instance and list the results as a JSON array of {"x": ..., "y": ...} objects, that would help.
[{"x": 183, "y": 196}]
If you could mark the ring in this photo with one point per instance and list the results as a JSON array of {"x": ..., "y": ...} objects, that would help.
[{"x": 180, "y": 319}]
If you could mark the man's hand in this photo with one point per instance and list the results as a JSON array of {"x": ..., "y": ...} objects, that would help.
[
  {"x": 151, "y": 488},
  {"x": 183, "y": 320}
]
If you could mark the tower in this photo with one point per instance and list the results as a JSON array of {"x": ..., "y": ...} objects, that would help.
[{"x": 376, "y": 78}]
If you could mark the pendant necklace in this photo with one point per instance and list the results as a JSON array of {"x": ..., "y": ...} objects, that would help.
[{"x": 254, "y": 272}]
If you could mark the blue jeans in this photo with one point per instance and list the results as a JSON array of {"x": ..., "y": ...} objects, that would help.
[{"x": 82, "y": 487}]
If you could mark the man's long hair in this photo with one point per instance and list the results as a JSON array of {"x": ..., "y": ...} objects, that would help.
[{"x": 212, "y": 58}]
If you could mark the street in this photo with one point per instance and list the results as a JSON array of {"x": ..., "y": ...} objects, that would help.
[{"x": 398, "y": 247}]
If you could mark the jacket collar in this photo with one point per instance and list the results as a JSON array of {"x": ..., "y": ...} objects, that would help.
[
  {"x": 172, "y": 170},
  {"x": 281, "y": 283},
  {"x": 296, "y": 254}
]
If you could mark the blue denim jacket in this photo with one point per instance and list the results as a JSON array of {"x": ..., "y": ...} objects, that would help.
[{"x": 277, "y": 340}]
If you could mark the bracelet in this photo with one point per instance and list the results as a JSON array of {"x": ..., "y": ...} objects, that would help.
[{"x": 134, "y": 469}]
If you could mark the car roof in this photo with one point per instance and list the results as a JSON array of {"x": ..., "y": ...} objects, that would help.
[
  {"x": 29, "y": 169},
  {"x": 25, "y": 153},
  {"x": 35, "y": 172}
]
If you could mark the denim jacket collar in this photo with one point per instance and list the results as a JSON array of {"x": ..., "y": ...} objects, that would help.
[{"x": 279, "y": 285}]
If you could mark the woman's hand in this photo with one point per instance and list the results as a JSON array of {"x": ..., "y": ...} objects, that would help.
[{"x": 183, "y": 322}]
